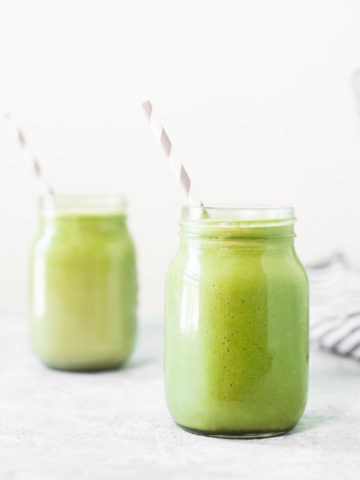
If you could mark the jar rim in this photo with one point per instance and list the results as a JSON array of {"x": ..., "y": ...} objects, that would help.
[
  {"x": 215, "y": 213},
  {"x": 82, "y": 203}
]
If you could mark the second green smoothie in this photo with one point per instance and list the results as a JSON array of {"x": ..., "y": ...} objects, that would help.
[{"x": 83, "y": 284}]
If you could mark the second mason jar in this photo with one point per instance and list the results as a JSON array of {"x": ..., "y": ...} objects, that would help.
[
  {"x": 236, "y": 348},
  {"x": 83, "y": 286}
]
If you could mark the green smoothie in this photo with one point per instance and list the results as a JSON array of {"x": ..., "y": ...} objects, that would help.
[
  {"x": 236, "y": 350},
  {"x": 83, "y": 289}
]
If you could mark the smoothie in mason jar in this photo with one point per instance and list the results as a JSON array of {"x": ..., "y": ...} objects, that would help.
[
  {"x": 236, "y": 348},
  {"x": 83, "y": 286}
]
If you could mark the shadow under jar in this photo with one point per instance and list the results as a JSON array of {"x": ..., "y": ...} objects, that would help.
[
  {"x": 83, "y": 285},
  {"x": 236, "y": 343}
]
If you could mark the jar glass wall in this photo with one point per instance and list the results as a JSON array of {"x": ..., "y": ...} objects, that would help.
[
  {"x": 83, "y": 285},
  {"x": 236, "y": 347}
]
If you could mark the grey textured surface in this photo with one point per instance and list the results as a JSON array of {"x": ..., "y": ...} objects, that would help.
[{"x": 113, "y": 425}]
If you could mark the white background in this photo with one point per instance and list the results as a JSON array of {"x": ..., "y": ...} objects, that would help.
[{"x": 256, "y": 96}]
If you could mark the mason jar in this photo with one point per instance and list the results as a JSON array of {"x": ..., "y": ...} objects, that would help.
[
  {"x": 236, "y": 343},
  {"x": 83, "y": 285}
]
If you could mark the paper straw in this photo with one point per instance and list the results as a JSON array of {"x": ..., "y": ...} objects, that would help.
[
  {"x": 175, "y": 164},
  {"x": 30, "y": 159},
  {"x": 356, "y": 86}
]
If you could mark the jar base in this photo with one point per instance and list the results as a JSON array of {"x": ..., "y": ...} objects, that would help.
[
  {"x": 236, "y": 435},
  {"x": 84, "y": 368}
]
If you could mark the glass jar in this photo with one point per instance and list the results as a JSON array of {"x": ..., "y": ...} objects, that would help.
[
  {"x": 236, "y": 347},
  {"x": 83, "y": 286}
]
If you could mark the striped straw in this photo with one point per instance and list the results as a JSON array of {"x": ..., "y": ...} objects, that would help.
[
  {"x": 30, "y": 159},
  {"x": 355, "y": 80},
  {"x": 175, "y": 164}
]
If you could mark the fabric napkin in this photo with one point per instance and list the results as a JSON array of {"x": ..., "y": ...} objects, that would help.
[{"x": 335, "y": 306}]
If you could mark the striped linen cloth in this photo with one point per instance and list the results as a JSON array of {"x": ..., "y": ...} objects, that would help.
[{"x": 335, "y": 307}]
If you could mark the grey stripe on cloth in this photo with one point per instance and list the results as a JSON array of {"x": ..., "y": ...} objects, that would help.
[{"x": 335, "y": 306}]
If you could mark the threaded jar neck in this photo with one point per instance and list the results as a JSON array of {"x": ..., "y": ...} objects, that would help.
[
  {"x": 248, "y": 222},
  {"x": 54, "y": 206}
]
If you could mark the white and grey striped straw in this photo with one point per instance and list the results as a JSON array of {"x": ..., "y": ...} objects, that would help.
[
  {"x": 30, "y": 159},
  {"x": 355, "y": 80},
  {"x": 175, "y": 164}
]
